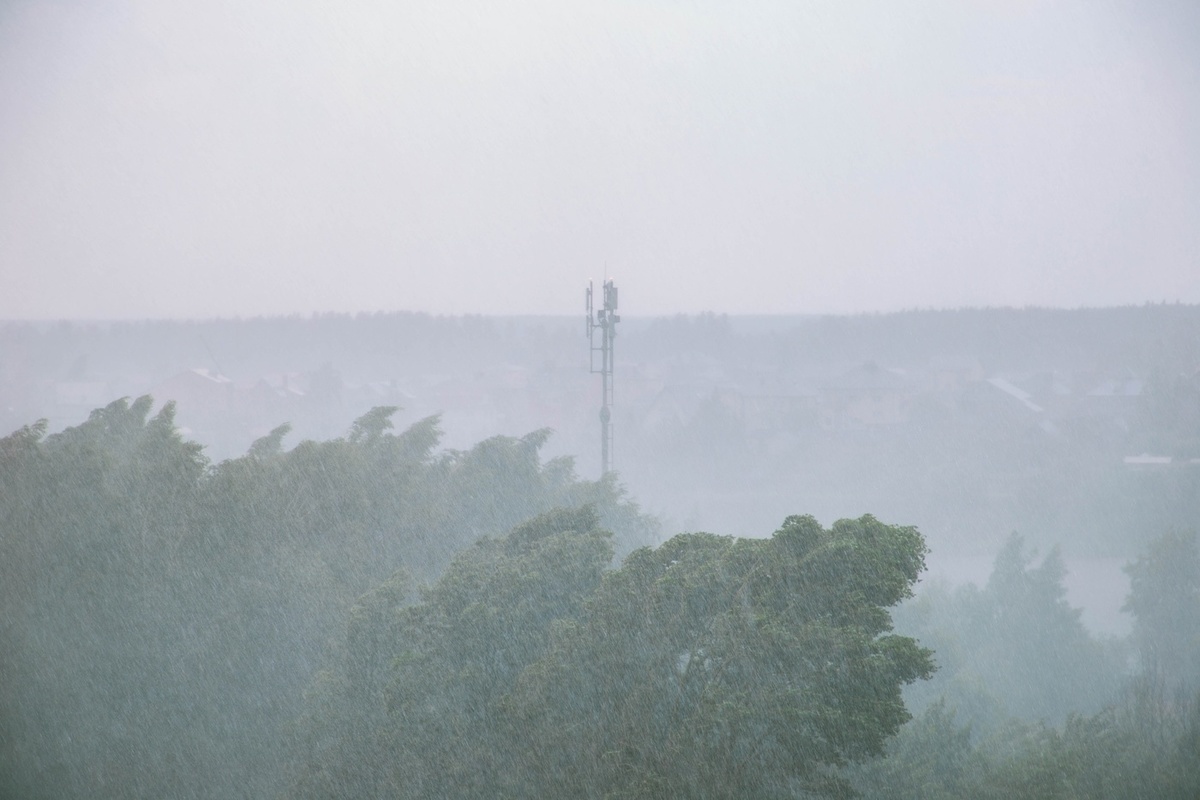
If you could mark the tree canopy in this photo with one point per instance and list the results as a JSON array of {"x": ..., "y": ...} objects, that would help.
[
  {"x": 1014, "y": 647},
  {"x": 162, "y": 614},
  {"x": 707, "y": 667},
  {"x": 1164, "y": 599}
]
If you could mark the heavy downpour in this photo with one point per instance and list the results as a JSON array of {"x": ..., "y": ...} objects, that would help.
[{"x": 601, "y": 400}]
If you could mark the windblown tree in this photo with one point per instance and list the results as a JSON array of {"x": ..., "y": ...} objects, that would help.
[
  {"x": 721, "y": 667},
  {"x": 709, "y": 667},
  {"x": 162, "y": 615}
]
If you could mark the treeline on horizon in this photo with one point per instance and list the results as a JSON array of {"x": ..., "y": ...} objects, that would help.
[
  {"x": 373, "y": 616},
  {"x": 1150, "y": 336}
]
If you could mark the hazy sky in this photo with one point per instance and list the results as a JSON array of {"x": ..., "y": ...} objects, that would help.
[{"x": 232, "y": 157}]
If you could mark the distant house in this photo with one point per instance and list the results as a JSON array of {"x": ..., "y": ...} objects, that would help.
[
  {"x": 865, "y": 396},
  {"x": 766, "y": 415},
  {"x": 672, "y": 408},
  {"x": 1115, "y": 396},
  {"x": 947, "y": 373},
  {"x": 1118, "y": 388},
  {"x": 1147, "y": 462},
  {"x": 1114, "y": 400},
  {"x": 197, "y": 390},
  {"x": 639, "y": 384},
  {"x": 1052, "y": 391},
  {"x": 1016, "y": 393},
  {"x": 270, "y": 399},
  {"x": 282, "y": 384}
]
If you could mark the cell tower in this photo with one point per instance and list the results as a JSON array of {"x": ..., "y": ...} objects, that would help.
[{"x": 605, "y": 320}]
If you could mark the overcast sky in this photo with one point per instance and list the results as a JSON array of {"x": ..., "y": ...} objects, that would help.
[{"x": 233, "y": 157}]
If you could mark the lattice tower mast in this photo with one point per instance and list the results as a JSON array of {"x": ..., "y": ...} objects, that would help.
[{"x": 604, "y": 321}]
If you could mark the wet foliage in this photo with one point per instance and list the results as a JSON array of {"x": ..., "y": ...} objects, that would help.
[
  {"x": 1145, "y": 746},
  {"x": 1013, "y": 647},
  {"x": 370, "y": 616},
  {"x": 162, "y": 615},
  {"x": 1026, "y": 704},
  {"x": 707, "y": 667}
]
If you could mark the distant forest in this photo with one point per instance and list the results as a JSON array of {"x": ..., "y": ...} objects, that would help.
[{"x": 363, "y": 346}]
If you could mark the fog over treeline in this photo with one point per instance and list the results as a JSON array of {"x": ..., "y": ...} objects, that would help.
[
  {"x": 922, "y": 554},
  {"x": 1011, "y": 419}
]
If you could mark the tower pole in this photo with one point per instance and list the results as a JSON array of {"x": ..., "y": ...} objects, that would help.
[
  {"x": 605, "y": 410},
  {"x": 605, "y": 319}
]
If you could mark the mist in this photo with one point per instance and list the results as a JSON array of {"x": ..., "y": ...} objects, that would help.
[
  {"x": 302, "y": 484},
  {"x": 168, "y": 160}
]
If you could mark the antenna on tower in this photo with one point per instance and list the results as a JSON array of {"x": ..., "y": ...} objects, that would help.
[{"x": 604, "y": 321}]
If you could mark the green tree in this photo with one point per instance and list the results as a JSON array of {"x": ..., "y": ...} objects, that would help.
[
  {"x": 708, "y": 667},
  {"x": 718, "y": 667},
  {"x": 414, "y": 708},
  {"x": 931, "y": 758},
  {"x": 162, "y": 614},
  {"x": 1164, "y": 598},
  {"x": 1016, "y": 647},
  {"x": 1137, "y": 749},
  {"x": 92, "y": 519}
]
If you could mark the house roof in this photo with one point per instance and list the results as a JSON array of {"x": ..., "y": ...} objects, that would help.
[
  {"x": 1123, "y": 387},
  {"x": 866, "y": 376},
  {"x": 1015, "y": 392},
  {"x": 1145, "y": 460},
  {"x": 209, "y": 375}
]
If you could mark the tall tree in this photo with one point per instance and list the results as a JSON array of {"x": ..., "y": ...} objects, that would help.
[
  {"x": 721, "y": 667},
  {"x": 708, "y": 667},
  {"x": 162, "y": 614},
  {"x": 1016, "y": 647},
  {"x": 1164, "y": 598}
]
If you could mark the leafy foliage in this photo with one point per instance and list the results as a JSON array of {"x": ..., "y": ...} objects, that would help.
[
  {"x": 162, "y": 614},
  {"x": 1165, "y": 601},
  {"x": 1013, "y": 648},
  {"x": 708, "y": 667},
  {"x": 997, "y": 730},
  {"x": 1137, "y": 749}
]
